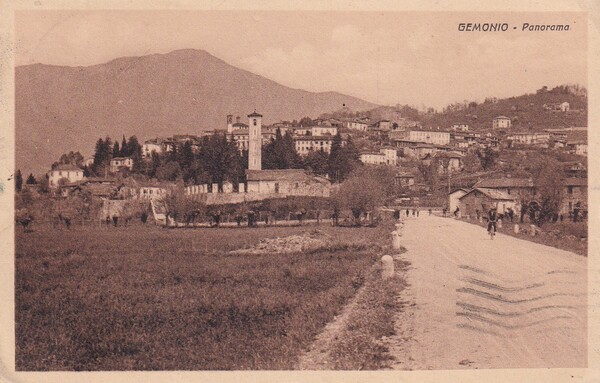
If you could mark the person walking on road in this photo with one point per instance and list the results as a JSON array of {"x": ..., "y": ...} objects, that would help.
[{"x": 492, "y": 218}]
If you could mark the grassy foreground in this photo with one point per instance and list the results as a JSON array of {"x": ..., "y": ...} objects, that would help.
[{"x": 146, "y": 298}]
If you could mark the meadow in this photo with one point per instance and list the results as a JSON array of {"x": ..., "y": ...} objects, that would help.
[{"x": 148, "y": 298}]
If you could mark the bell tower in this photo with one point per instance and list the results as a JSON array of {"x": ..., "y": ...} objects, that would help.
[
  {"x": 229, "y": 123},
  {"x": 254, "y": 141}
]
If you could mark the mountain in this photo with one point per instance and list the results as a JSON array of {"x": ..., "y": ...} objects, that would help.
[
  {"x": 527, "y": 112},
  {"x": 60, "y": 108}
]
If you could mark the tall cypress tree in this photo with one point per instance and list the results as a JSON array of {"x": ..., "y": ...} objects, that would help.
[
  {"x": 116, "y": 150},
  {"x": 124, "y": 148},
  {"x": 18, "y": 180}
]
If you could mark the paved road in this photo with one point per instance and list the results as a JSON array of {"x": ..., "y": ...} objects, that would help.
[{"x": 477, "y": 303}]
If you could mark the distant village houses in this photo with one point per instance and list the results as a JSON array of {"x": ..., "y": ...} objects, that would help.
[
  {"x": 386, "y": 156},
  {"x": 501, "y": 122},
  {"x": 64, "y": 173}
]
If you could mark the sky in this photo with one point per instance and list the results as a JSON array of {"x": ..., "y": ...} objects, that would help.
[{"x": 415, "y": 58}]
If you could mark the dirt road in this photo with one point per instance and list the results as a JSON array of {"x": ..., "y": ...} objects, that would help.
[{"x": 477, "y": 303}]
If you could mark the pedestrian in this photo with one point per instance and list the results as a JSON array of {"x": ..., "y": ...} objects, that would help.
[
  {"x": 407, "y": 212},
  {"x": 417, "y": 212},
  {"x": 444, "y": 211},
  {"x": 430, "y": 211}
]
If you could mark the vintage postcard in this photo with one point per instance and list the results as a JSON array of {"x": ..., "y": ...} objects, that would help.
[{"x": 286, "y": 191}]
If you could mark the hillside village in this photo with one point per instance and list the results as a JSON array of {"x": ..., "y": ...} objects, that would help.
[{"x": 441, "y": 167}]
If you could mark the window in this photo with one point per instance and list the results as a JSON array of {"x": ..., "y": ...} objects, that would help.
[
  {"x": 570, "y": 189},
  {"x": 254, "y": 121},
  {"x": 276, "y": 187}
]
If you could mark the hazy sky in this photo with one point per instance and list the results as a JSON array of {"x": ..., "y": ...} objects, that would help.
[{"x": 387, "y": 58}]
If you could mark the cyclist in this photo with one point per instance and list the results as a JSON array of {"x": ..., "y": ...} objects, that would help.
[{"x": 492, "y": 218}]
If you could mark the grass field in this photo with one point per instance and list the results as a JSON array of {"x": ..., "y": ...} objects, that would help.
[{"x": 147, "y": 298}]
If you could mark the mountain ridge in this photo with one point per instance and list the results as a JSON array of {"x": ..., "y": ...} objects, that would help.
[{"x": 62, "y": 108}]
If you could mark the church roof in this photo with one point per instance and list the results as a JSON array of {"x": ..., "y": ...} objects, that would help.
[{"x": 254, "y": 114}]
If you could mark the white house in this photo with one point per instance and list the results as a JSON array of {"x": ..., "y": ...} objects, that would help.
[
  {"x": 118, "y": 163},
  {"x": 529, "y": 138},
  {"x": 323, "y": 130},
  {"x": 460, "y": 127},
  {"x": 359, "y": 125},
  {"x": 66, "y": 172},
  {"x": 501, "y": 122},
  {"x": 564, "y": 107},
  {"x": 427, "y": 136},
  {"x": 153, "y": 145},
  {"x": 306, "y": 144},
  {"x": 577, "y": 147},
  {"x": 454, "y": 198},
  {"x": 383, "y": 157}
]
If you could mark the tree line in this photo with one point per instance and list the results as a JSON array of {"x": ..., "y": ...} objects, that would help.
[{"x": 215, "y": 159}]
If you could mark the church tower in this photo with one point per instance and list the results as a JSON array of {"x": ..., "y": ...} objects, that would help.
[
  {"x": 229, "y": 123},
  {"x": 254, "y": 141}
]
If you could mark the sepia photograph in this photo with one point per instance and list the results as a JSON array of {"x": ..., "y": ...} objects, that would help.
[{"x": 239, "y": 189}]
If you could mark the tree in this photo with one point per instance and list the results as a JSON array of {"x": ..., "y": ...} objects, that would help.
[
  {"x": 547, "y": 174},
  {"x": 116, "y": 150},
  {"x": 124, "y": 148},
  {"x": 365, "y": 190},
  {"x": 281, "y": 153},
  {"x": 317, "y": 162},
  {"x": 134, "y": 150},
  {"x": 487, "y": 157},
  {"x": 31, "y": 180},
  {"x": 102, "y": 155},
  {"x": 220, "y": 159},
  {"x": 18, "y": 181},
  {"x": 170, "y": 171},
  {"x": 306, "y": 121},
  {"x": 471, "y": 163},
  {"x": 71, "y": 158}
]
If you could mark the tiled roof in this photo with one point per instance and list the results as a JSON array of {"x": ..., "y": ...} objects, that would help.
[
  {"x": 491, "y": 193},
  {"x": 504, "y": 183}
]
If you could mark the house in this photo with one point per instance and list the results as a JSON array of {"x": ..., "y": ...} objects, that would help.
[
  {"x": 118, "y": 163},
  {"x": 482, "y": 199},
  {"x": 306, "y": 144},
  {"x": 564, "y": 107},
  {"x": 323, "y": 130},
  {"x": 448, "y": 161},
  {"x": 385, "y": 125},
  {"x": 530, "y": 138},
  {"x": 454, "y": 198},
  {"x": 574, "y": 195},
  {"x": 240, "y": 136},
  {"x": 238, "y": 125},
  {"x": 153, "y": 145},
  {"x": 577, "y": 147},
  {"x": 521, "y": 188},
  {"x": 383, "y": 157},
  {"x": 357, "y": 124},
  {"x": 501, "y": 122},
  {"x": 460, "y": 127},
  {"x": 63, "y": 174},
  {"x": 427, "y": 136},
  {"x": 287, "y": 182}
]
